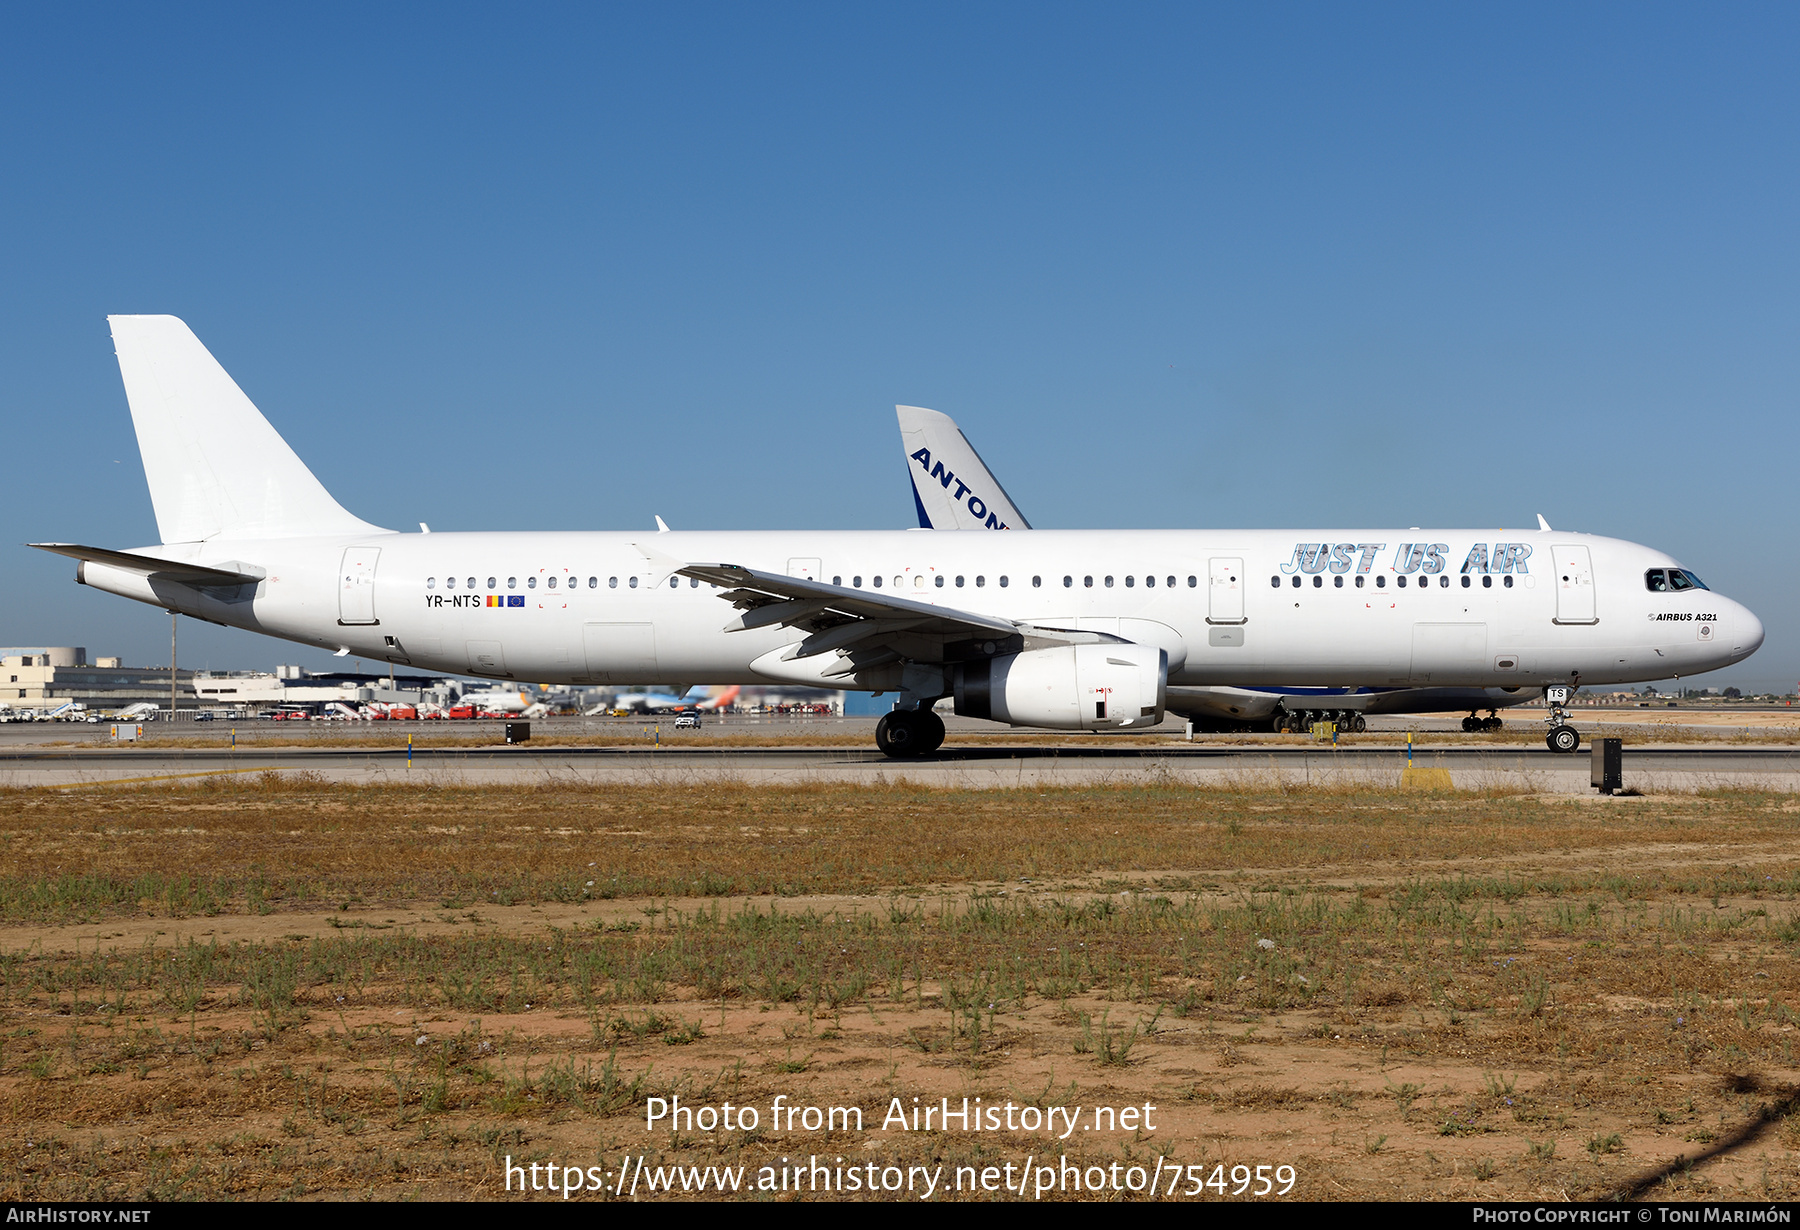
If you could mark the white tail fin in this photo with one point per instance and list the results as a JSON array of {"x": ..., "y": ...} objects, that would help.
[
  {"x": 216, "y": 468},
  {"x": 952, "y": 487}
]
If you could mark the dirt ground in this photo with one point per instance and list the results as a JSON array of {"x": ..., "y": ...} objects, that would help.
[{"x": 1600, "y": 1007}]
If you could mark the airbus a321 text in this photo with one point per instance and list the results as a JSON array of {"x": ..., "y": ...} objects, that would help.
[{"x": 1065, "y": 629}]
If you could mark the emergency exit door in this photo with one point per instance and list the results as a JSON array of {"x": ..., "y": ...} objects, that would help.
[
  {"x": 1225, "y": 595},
  {"x": 356, "y": 586},
  {"x": 1574, "y": 585}
]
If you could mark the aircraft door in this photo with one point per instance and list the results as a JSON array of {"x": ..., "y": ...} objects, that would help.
[
  {"x": 356, "y": 587},
  {"x": 1574, "y": 585},
  {"x": 1225, "y": 597},
  {"x": 1449, "y": 654},
  {"x": 487, "y": 658},
  {"x": 620, "y": 653}
]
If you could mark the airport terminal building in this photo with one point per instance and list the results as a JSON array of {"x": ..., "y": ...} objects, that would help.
[{"x": 30, "y": 676}]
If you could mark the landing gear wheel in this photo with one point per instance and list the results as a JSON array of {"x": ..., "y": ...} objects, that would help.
[
  {"x": 909, "y": 732},
  {"x": 1563, "y": 739},
  {"x": 1492, "y": 724},
  {"x": 897, "y": 733},
  {"x": 1278, "y": 723},
  {"x": 931, "y": 733},
  {"x": 1358, "y": 725},
  {"x": 1471, "y": 724}
]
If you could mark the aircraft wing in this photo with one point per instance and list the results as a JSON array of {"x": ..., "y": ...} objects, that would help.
[
  {"x": 836, "y": 616},
  {"x": 148, "y": 565}
]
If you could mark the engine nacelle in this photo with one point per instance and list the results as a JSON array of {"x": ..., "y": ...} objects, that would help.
[{"x": 1068, "y": 687}]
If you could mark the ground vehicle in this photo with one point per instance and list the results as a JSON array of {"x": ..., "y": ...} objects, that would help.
[{"x": 688, "y": 721}]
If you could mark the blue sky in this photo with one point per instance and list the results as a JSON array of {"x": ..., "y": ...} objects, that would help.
[{"x": 568, "y": 267}]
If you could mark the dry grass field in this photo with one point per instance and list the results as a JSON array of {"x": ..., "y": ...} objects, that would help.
[{"x": 272, "y": 986}]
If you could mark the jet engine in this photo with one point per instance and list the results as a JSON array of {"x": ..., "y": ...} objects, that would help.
[{"x": 1068, "y": 687}]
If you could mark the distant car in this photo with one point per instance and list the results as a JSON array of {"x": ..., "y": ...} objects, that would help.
[
  {"x": 206, "y": 717},
  {"x": 688, "y": 721}
]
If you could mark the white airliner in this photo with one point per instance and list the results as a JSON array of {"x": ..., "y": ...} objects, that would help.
[
  {"x": 953, "y": 489},
  {"x": 1071, "y": 630}
]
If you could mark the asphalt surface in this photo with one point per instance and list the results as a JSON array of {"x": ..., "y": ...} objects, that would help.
[{"x": 1650, "y": 767}]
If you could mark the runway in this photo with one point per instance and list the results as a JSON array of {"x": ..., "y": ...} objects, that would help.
[{"x": 1649, "y": 768}]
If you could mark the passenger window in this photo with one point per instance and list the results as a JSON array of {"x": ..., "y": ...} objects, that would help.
[
  {"x": 1400, "y": 581},
  {"x": 1337, "y": 582},
  {"x": 1192, "y": 581},
  {"x": 1443, "y": 582},
  {"x": 1487, "y": 582},
  {"x": 940, "y": 580},
  {"x": 491, "y": 582},
  {"x": 856, "y": 582},
  {"x": 1128, "y": 584},
  {"x": 612, "y": 582},
  {"x": 1037, "y": 582},
  {"x": 674, "y": 582},
  {"x": 899, "y": 582},
  {"x": 593, "y": 582},
  {"x": 530, "y": 582},
  {"x": 1359, "y": 582},
  {"x": 1506, "y": 581},
  {"x": 1088, "y": 582},
  {"x": 959, "y": 582},
  {"x": 980, "y": 581},
  {"x": 1274, "y": 582},
  {"x": 449, "y": 582},
  {"x": 430, "y": 582},
  {"x": 1150, "y": 582},
  {"x": 631, "y": 581},
  {"x": 471, "y": 582},
  {"x": 552, "y": 582},
  {"x": 1465, "y": 581},
  {"x": 1296, "y": 582},
  {"x": 838, "y": 581},
  {"x": 877, "y": 581},
  {"x": 1318, "y": 582},
  {"x": 919, "y": 581},
  {"x": 1068, "y": 581},
  {"x": 1381, "y": 582},
  {"x": 1003, "y": 581},
  {"x": 512, "y": 582}
]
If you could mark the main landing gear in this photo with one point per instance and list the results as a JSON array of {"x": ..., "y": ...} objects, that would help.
[
  {"x": 1299, "y": 721},
  {"x": 1477, "y": 725},
  {"x": 909, "y": 732}
]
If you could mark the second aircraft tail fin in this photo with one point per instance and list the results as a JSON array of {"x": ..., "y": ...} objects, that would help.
[{"x": 952, "y": 487}]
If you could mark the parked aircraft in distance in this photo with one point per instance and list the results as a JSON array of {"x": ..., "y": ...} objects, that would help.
[
  {"x": 1066, "y": 629},
  {"x": 949, "y": 479}
]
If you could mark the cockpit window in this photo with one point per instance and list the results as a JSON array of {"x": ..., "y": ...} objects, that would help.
[{"x": 1671, "y": 580}]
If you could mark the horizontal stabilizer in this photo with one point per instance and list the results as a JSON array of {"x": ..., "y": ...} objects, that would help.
[{"x": 148, "y": 565}]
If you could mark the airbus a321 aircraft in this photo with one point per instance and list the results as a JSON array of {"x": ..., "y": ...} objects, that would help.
[
  {"x": 953, "y": 489},
  {"x": 1071, "y": 630}
]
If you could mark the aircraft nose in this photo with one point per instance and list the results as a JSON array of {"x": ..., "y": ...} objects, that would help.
[{"x": 1749, "y": 635}]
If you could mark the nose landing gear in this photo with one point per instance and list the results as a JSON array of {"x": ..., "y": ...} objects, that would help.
[{"x": 1561, "y": 737}]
